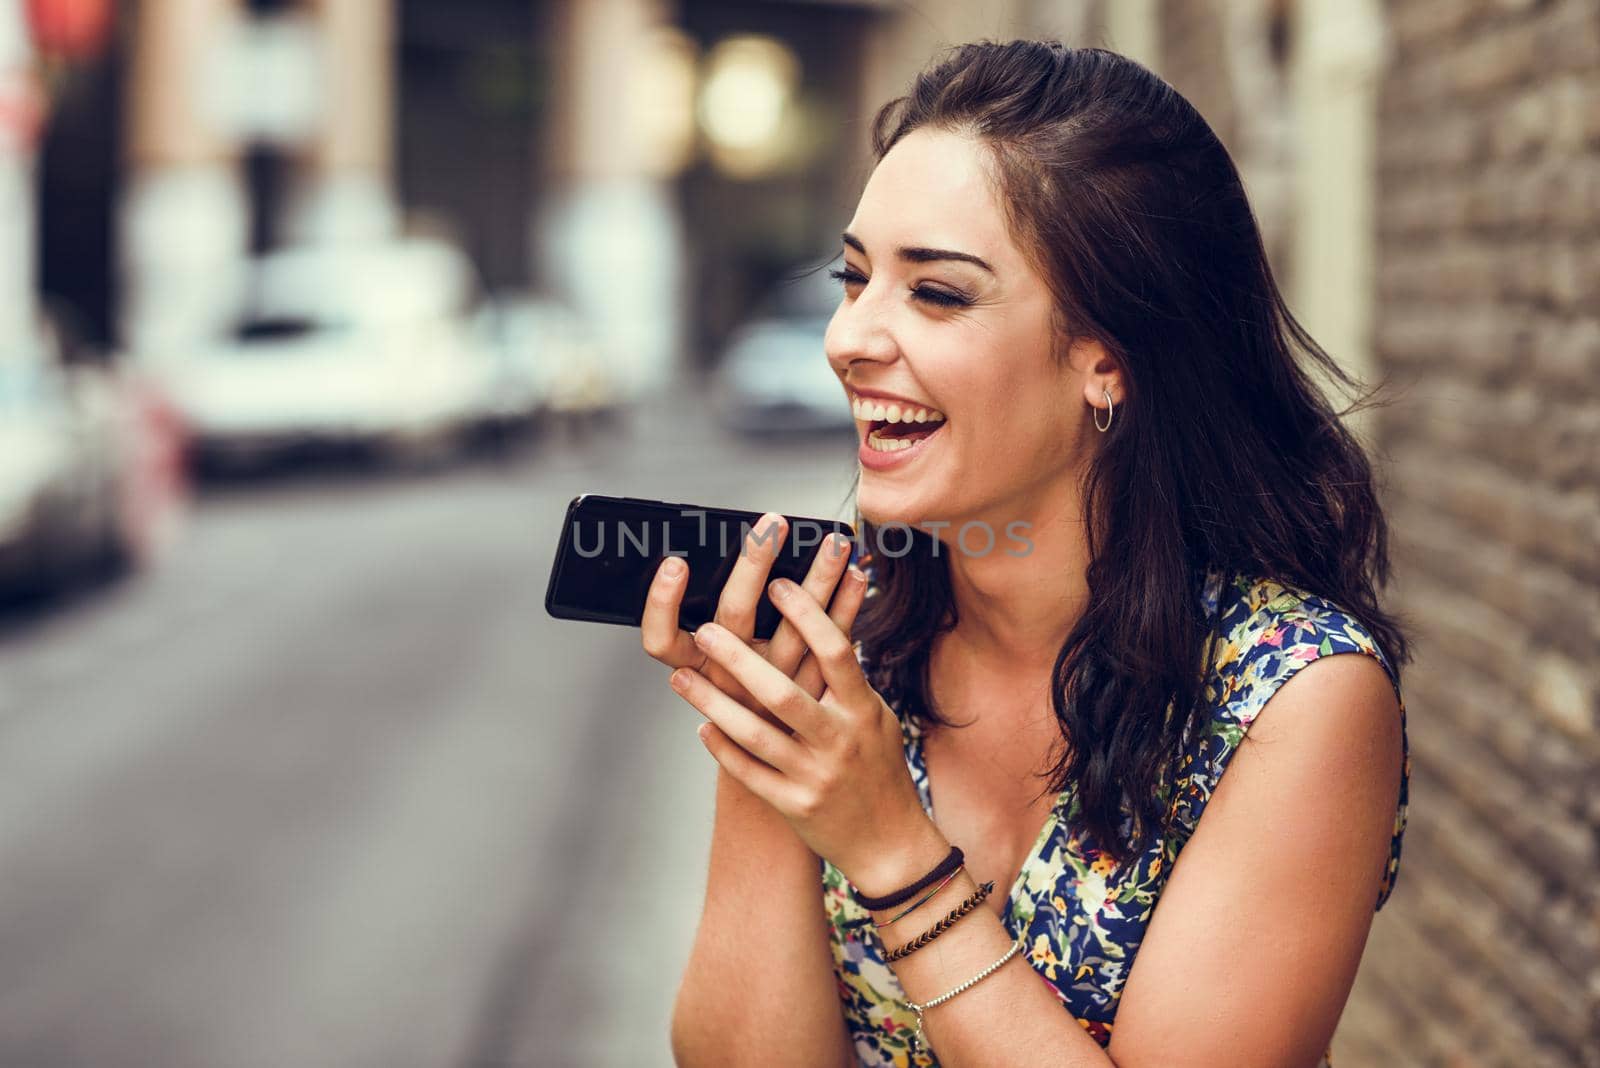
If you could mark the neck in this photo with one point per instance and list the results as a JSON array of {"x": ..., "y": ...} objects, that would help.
[{"x": 1015, "y": 611}]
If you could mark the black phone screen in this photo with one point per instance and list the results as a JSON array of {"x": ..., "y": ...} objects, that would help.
[{"x": 610, "y": 548}]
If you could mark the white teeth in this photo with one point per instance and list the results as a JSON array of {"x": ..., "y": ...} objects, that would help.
[
  {"x": 880, "y": 443},
  {"x": 870, "y": 411},
  {"x": 887, "y": 444}
]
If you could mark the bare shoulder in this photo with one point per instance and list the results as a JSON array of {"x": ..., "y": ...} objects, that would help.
[
  {"x": 1257, "y": 936},
  {"x": 1340, "y": 710}
]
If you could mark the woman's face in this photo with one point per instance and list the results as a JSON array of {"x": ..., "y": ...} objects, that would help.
[{"x": 920, "y": 321}]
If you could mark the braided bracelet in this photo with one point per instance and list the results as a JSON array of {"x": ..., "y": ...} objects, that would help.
[
  {"x": 942, "y": 926},
  {"x": 947, "y": 995}
]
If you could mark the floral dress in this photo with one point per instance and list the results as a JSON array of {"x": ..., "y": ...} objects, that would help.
[{"x": 1083, "y": 915}]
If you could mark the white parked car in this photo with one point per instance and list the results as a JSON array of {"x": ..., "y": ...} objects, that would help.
[
  {"x": 85, "y": 492},
  {"x": 552, "y": 359},
  {"x": 368, "y": 346},
  {"x": 773, "y": 376}
]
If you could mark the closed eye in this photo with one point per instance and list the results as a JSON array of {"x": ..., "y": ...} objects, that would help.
[{"x": 936, "y": 297}]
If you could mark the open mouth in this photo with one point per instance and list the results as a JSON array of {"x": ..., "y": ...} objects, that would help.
[
  {"x": 892, "y": 437},
  {"x": 894, "y": 426}
]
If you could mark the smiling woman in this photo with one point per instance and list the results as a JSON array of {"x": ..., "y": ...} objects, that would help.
[{"x": 1057, "y": 317}]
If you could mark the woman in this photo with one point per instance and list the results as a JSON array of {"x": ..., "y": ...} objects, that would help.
[{"x": 1063, "y": 343}]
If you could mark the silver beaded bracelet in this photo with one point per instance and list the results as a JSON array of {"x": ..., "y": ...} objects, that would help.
[{"x": 919, "y": 1037}]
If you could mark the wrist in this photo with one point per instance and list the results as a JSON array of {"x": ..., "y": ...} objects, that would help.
[{"x": 900, "y": 861}]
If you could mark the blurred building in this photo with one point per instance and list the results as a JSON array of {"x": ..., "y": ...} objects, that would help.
[
  {"x": 48, "y": 51},
  {"x": 77, "y": 56},
  {"x": 249, "y": 126},
  {"x": 661, "y": 165}
]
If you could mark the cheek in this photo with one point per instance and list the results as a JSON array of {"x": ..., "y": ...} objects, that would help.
[
  {"x": 991, "y": 400},
  {"x": 996, "y": 427},
  {"x": 995, "y": 384}
]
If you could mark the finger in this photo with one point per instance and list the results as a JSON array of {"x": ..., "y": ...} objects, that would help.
[
  {"x": 829, "y": 645},
  {"x": 775, "y": 691},
  {"x": 755, "y": 735},
  {"x": 736, "y": 608},
  {"x": 787, "y": 649},
  {"x": 765, "y": 783},
  {"x": 847, "y": 606},
  {"x": 659, "y": 630},
  {"x": 844, "y": 610}
]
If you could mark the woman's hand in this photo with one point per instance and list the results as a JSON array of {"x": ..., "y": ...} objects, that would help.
[
  {"x": 667, "y": 642},
  {"x": 834, "y": 764}
]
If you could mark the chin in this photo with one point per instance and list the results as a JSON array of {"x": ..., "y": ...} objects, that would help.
[{"x": 881, "y": 505}]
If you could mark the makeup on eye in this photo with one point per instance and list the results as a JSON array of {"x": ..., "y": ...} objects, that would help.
[{"x": 938, "y": 297}]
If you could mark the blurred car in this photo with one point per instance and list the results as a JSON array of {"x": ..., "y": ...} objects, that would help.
[
  {"x": 773, "y": 376},
  {"x": 549, "y": 352},
  {"x": 371, "y": 346},
  {"x": 81, "y": 489},
  {"x": 514, "y": 393}
]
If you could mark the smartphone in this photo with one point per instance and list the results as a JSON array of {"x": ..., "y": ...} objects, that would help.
[{"x": 610, "y": 548}]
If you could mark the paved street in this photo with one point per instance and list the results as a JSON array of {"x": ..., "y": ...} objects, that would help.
[{"x": 332, "y": 789}]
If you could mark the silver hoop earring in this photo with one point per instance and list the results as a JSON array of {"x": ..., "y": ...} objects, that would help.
[{"x": 1111, "y": 413}]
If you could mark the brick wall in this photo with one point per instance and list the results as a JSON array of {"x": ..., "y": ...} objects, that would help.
[
  {"x": 1488, "y": 326},
  {"x": 1489, "y": 318}
]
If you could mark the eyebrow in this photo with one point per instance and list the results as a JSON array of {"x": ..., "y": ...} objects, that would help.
[{"x": 918, "y": 254}]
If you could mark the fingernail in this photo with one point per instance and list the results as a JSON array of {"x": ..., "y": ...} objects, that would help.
[
  {"x": 780, "y": 588},
  {"x": 703, "y": 636},
  {"x": 680, "y": 680},
  {"x": 703, "y": 730},
  {"x": 673, "y": 567}
]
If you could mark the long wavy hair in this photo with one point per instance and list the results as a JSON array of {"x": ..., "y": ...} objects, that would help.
[{"x": 1224, "y": 454}]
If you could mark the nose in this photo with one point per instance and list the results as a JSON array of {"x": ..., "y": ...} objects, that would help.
[{"x": 858, "y": 333}]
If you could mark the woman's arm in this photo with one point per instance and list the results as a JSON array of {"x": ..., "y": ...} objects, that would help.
[
  {"x": 759, "y": 987},
  {"x": 1255, "y": 942},
  {"x": 1009, "y": 1018}
]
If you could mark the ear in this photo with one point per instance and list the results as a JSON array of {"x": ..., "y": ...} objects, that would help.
[{"x": 1099, "y": 371}]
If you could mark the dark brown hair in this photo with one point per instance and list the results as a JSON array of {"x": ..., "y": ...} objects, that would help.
[{"x": 1224, "y": 454}]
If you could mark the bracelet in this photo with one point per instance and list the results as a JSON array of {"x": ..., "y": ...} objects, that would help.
[
  {"x": 947, "y": 995},
  {"x": 942, "y": 926},
  {"x": 924, "y": 901},
  {"x": 950, "y": 863}
]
